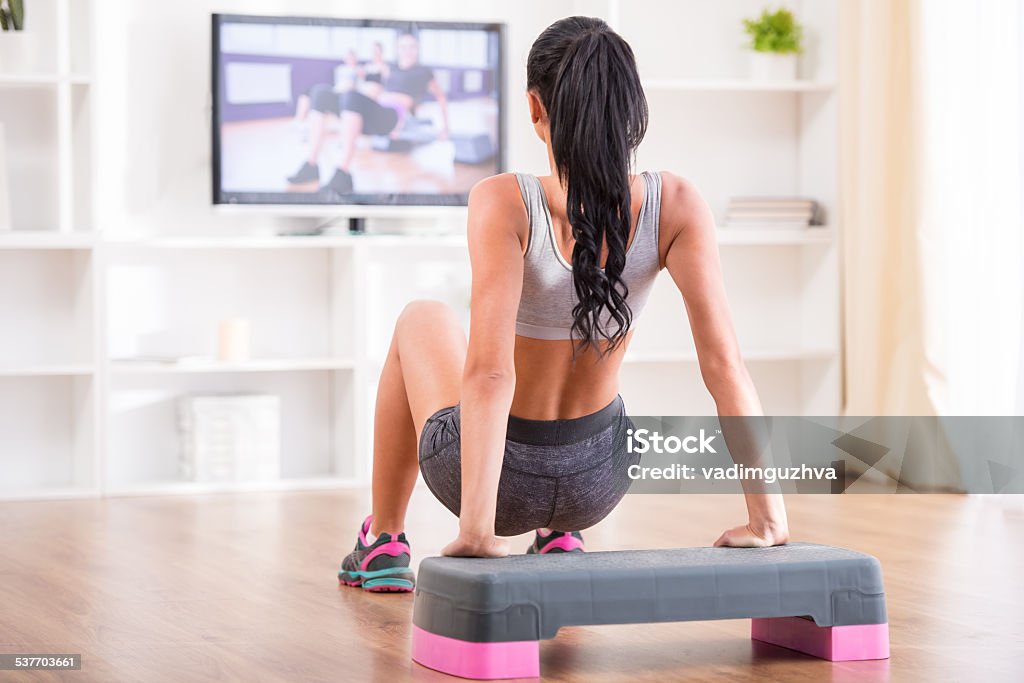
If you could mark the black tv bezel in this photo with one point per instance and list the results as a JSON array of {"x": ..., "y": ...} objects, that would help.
[{"x": 221, "y": 197}]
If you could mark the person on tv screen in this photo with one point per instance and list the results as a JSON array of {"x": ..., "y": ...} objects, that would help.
[
  {"x": 376, "y": 70},
  {"x": 361, "y": 113},
  {"x": 347, "y": 76}
]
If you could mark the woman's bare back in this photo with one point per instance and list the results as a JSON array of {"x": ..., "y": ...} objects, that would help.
[{"x": 549, "y": 385}]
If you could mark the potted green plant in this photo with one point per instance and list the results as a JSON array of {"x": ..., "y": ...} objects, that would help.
[
  {"x": 16, "y": 45},
  {"x": 776, "y": 38},
  {"x": 12, "y": 15}
]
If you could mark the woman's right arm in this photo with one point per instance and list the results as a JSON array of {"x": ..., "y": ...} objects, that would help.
[{"x": 692, "y": 260}]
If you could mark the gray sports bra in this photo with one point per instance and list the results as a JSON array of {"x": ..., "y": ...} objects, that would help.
[{"x": 545, "y": 309}]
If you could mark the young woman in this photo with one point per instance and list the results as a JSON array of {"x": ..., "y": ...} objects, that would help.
[{"x": 523, "y": 428}]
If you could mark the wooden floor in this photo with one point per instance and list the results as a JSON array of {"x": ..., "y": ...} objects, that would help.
[{"x": 242, "y": 587}]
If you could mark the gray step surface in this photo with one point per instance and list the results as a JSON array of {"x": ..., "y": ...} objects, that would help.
[{"x": 529, "y": 597}]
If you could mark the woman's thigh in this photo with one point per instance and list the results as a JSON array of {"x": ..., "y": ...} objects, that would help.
[{"x": 431, "y": 347}]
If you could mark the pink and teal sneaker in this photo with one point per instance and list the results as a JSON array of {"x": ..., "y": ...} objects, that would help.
[
  {"x": 381, "y": 566},
  {"x": 556, "y": 542}
]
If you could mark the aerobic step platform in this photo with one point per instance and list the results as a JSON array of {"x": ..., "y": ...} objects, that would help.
[{"x": 484, "y": 618}]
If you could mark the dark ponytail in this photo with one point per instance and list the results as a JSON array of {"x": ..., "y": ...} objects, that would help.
[{"x": 586, "y": 77}]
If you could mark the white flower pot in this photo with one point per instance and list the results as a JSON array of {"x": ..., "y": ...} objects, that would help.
[
  {"x": 771, "y": 66},
  {"x": 17, "y": 52}
]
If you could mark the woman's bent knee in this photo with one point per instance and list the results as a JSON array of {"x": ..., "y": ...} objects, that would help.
[{"x": 426, "y": 309}]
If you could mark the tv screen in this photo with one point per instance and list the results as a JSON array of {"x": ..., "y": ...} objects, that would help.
[{"x": 340, "y": 111}]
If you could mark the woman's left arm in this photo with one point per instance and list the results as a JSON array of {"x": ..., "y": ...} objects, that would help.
[{"x": 497, "y": 229}]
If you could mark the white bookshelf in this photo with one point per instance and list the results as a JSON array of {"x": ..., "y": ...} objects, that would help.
[
  {"x": 50, "y": 384},
  {"x": 86, "y": 283},
  {"x": 733, "y": 136}
]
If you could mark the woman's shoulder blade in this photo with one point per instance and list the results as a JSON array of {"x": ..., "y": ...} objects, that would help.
[
  {"x": 499, "y": 192},
  {"x": 498, "y": 200}
]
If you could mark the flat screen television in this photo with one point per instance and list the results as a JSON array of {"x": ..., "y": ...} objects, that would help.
[{"x": 342, "y": 111}]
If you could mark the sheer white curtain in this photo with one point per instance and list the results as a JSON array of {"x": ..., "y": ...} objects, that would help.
[
  {"x": 1020, "y": 90},
  {"x": 933, "y": 206},
  {"x": 971, "y": 199}
]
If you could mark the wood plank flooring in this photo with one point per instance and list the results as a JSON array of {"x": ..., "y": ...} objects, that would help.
[{"x": 242, "y": 587}]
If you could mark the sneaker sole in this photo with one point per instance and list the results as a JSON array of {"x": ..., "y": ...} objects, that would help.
[
  {"x": 399, "y": 580},
  {"x": 532, "y": 550},
  {"x": 395, "y": 585}
]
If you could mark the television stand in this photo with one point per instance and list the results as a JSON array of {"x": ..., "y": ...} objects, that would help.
[{"x": 356, "y": 226}]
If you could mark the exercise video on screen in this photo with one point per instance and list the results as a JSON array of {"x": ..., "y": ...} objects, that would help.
[{"x": 314, "y": 113}]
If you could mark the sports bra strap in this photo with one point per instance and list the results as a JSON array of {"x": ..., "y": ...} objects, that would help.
[{"x": 536, "y": 213}]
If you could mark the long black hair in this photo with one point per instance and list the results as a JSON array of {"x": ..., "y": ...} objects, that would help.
[{"x": 586, "y": 77}]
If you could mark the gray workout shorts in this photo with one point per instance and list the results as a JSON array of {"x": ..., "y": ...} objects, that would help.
[{"x": 560, "y": 474}]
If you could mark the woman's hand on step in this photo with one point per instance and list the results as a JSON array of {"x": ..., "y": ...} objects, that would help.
[
  {"x": 486, "y": 545},
  {"x": 754, "y": 535}
]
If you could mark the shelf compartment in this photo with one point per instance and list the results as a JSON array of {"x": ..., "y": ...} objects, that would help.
[
  {"x": 47, "y": 370},
  {"x": 798, "y": 388},
  {"x": 129, "y": 367},
  {"x": 48, "y": 427},
  {"x": 783, "y": 302},
  {"x": 45, "y": 239},
  {"x": 143, "y": 447},
  {"x": 46, "y": 303},
  {"x": 738, "y": 85},
  {"x": 77, "y": 159},
  {"x": 755, "y": 356},
  {"x": 29, "y": 117},
  {"x": 170, "y": 303},
  {"x": 767, "y": 236},
  {"x": 284, "y": 241}
]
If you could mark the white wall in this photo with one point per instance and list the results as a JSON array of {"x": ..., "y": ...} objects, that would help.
[
  {"x": 134, "y": 123},
  {"x": 152, "y": 68}
]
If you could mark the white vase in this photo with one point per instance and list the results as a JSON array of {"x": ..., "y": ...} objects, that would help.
[
  {"x": 17, "y": 52},
  {"x": 772, "y": 66}
]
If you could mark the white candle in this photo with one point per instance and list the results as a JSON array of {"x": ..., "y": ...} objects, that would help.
[{"x": 233, "y": 340}]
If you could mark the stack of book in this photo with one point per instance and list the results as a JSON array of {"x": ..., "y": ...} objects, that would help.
[{"x": 772, "y": 212}]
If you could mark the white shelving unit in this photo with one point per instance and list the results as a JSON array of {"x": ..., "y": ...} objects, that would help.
[
  {"x": 83, "y": 286},
  {"x": 733, "y": 136},
  {"x": 49, "y": 281}
]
